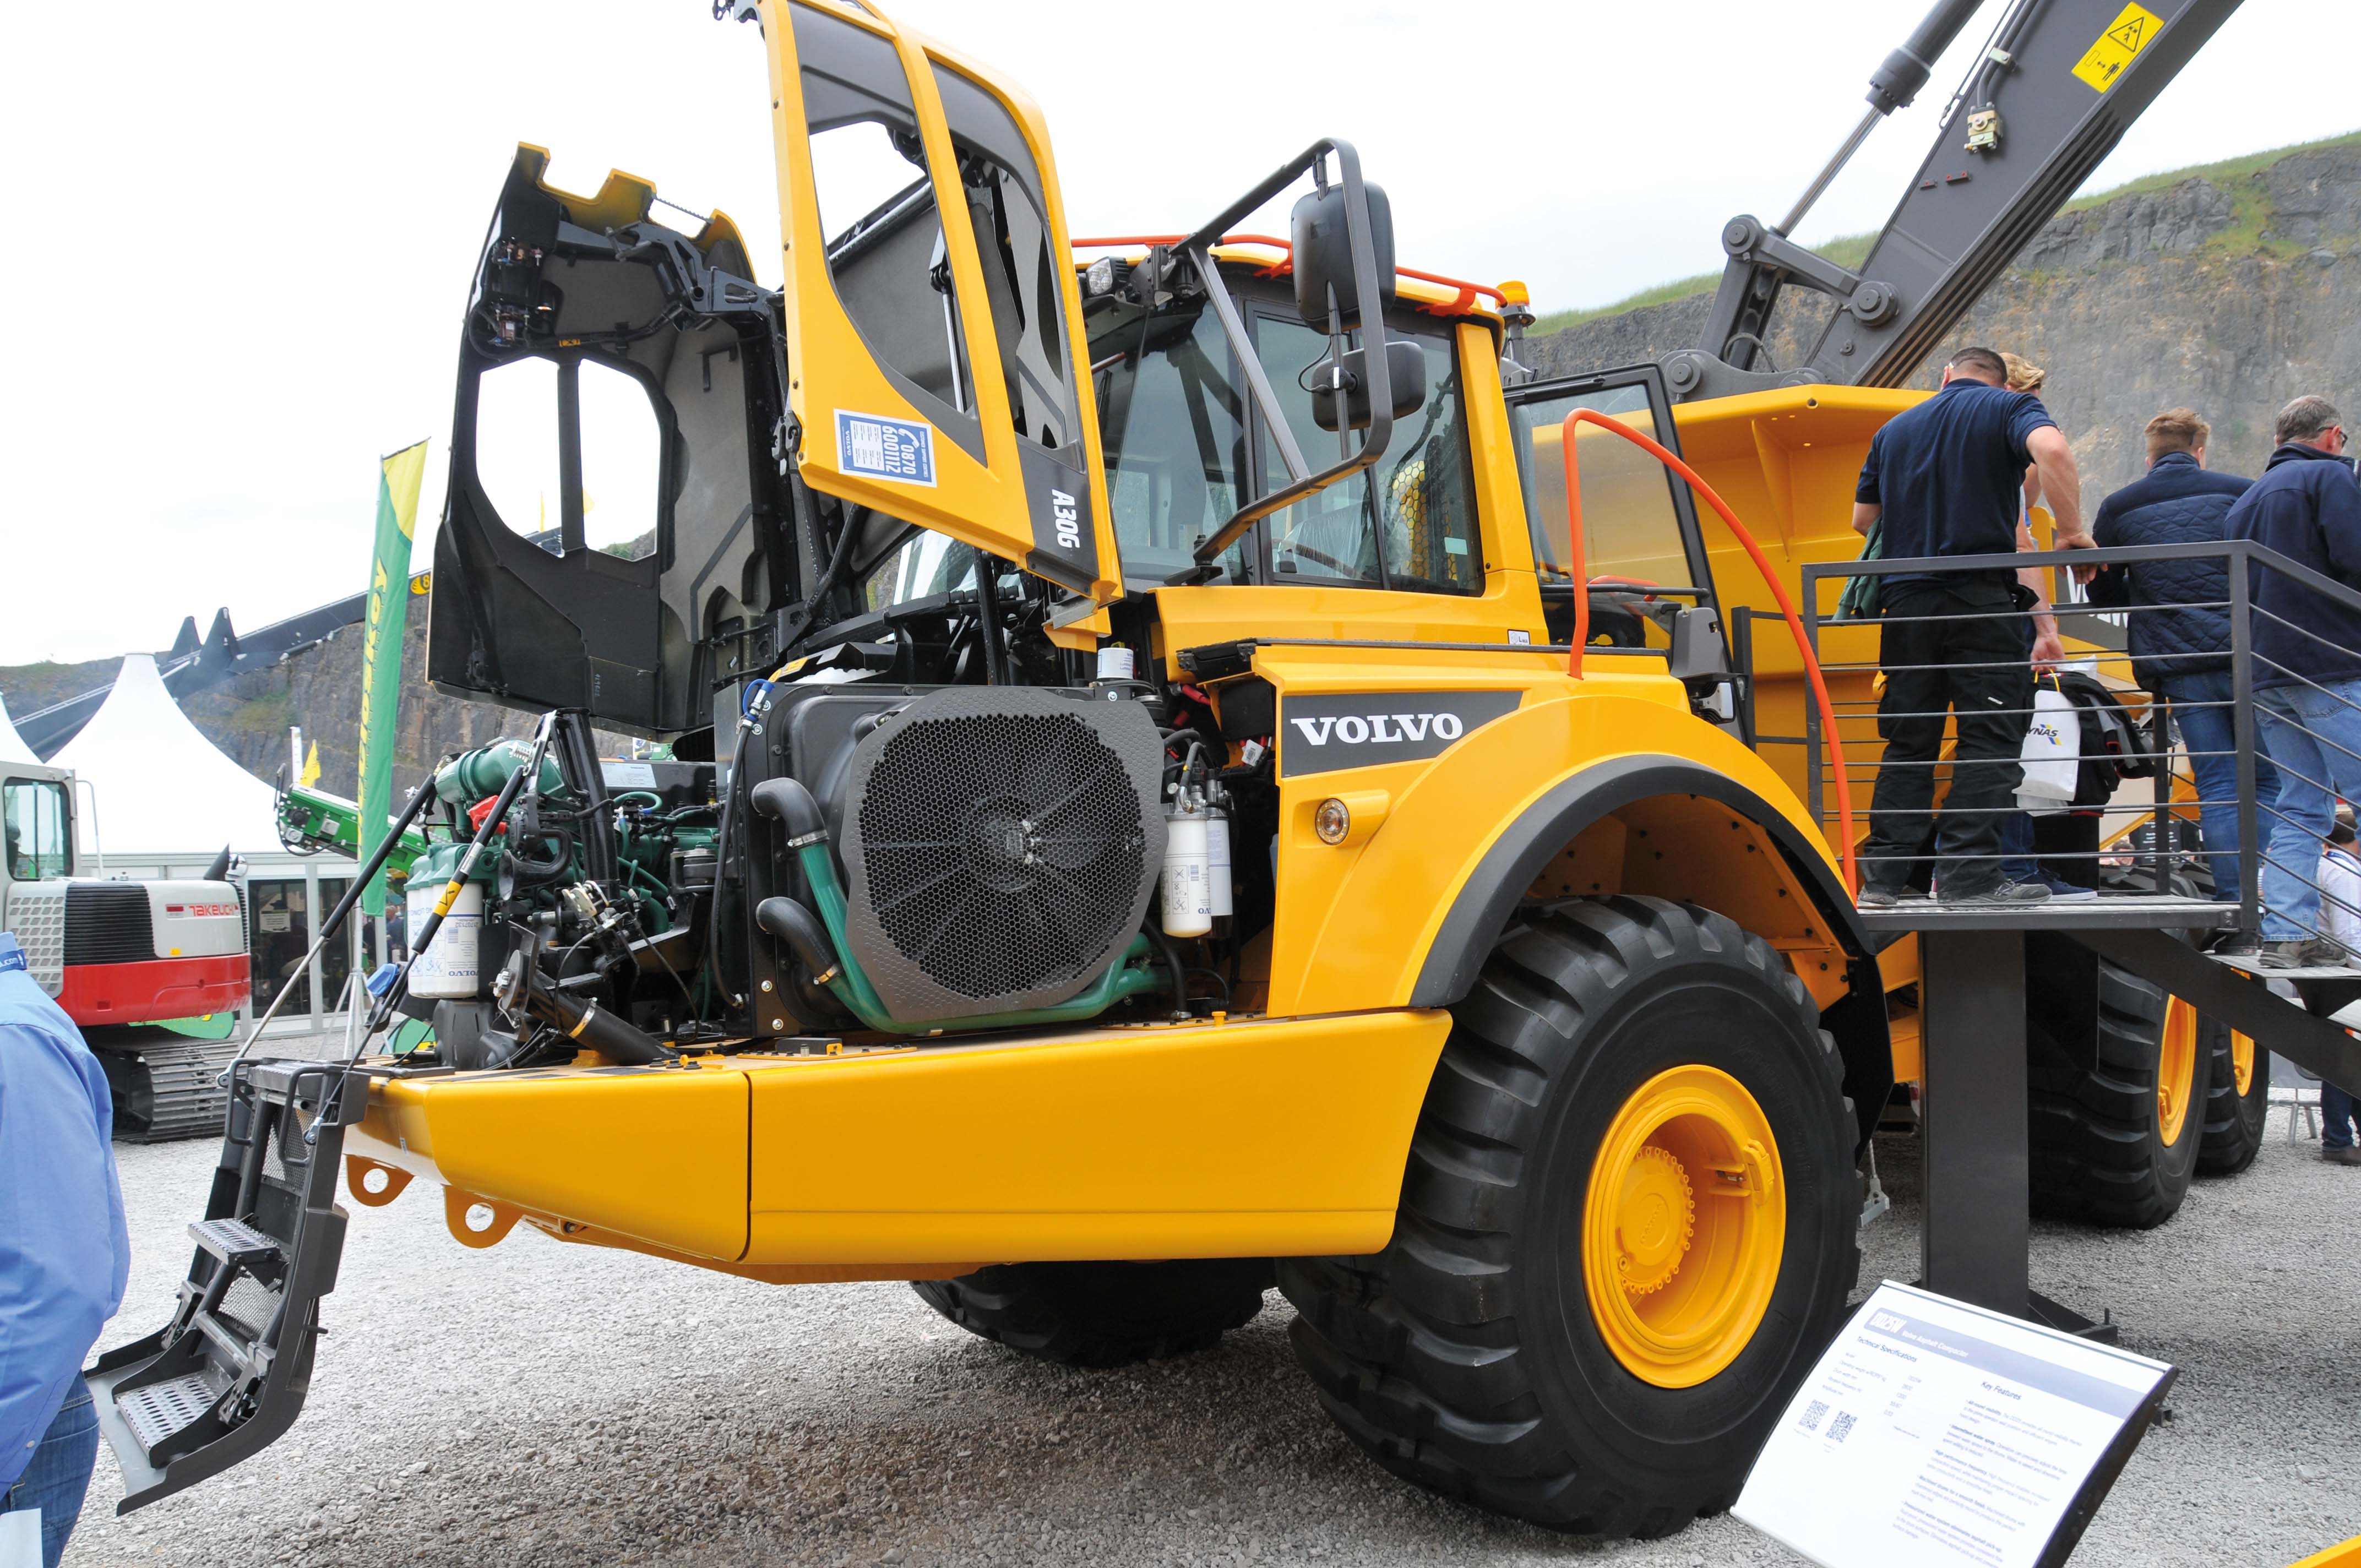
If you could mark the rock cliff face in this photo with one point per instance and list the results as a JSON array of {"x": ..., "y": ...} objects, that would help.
[
  {"x": 2228, "y": 295},
  {"x": 2222, "y": 292}
]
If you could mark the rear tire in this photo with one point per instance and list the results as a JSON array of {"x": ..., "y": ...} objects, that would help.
[
  {"x": 2116, "y": 1096},
  {"x": 1495, "y": 1351},
  {"x": 2237, "y": 1101},
  {"x": 1103, "y": 1314}
]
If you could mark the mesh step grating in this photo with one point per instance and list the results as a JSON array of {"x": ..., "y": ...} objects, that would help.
[
  {"x": 233, "y": 1240},
  {"x": 157, "y": 1410},
  {"x": 250, "y": 1305}
]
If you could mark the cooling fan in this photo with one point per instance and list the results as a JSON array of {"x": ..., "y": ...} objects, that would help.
[{"x": 1000, "y": 845}]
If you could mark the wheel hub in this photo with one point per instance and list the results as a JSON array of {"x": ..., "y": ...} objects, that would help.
[
  {"x": 2176, "y": 1071},
  {"x": 1656, "y": 1222},
  {"x": 1684, "y": 1226}
]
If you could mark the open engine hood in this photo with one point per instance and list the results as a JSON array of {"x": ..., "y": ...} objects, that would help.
[{"x": 582, "y": 308}]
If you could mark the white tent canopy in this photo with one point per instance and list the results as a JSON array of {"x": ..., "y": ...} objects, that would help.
[
  {"x": 12, "y": 745},
  {"x": 162, "y": 787}
]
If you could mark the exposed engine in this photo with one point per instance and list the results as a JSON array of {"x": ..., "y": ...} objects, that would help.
[{"x": 888, "y": 857}]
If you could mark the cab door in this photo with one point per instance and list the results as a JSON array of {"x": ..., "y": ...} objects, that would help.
[
  {"x": 1641, "y": 551},
  {"x": 931, "y": 303}
]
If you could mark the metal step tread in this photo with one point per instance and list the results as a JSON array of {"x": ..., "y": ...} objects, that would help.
[
  {"x": 235, "y": 1242},
  {"x": 2245, "y": 964},
  {"x": 157, "y": 1410},
  {"x": 2109, "y": 909}
]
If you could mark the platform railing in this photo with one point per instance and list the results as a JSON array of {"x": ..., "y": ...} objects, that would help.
[{"x": 2139, "y": 843}]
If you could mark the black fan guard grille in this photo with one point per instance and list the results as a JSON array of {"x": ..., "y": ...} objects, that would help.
[{"x": 1001, "y": 845}]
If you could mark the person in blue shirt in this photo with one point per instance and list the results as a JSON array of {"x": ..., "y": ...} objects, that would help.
[
  {"x": 64, "y": 1252},
  {"x": 2179, "y": 634},
  {"x": 2307, "y": 657},
  {"x": 1946, "y": 478}
]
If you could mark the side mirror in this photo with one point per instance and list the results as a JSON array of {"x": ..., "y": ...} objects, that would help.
[
  {"x": 1322, "y": 255},
  {"x": 1405, "y": 373}
]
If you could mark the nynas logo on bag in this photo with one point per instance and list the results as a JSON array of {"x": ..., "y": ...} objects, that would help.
[{"x": 1324, "y": 732}]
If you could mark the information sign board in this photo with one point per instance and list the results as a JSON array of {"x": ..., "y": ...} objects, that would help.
[{"x": 1935, "y": 1434}]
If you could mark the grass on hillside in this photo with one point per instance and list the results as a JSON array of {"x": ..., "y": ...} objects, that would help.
[{"x": 2248, "y": 201}]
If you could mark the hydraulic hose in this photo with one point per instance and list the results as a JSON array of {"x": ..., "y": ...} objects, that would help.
[
  {"x": 1178, "y": 972},
  {"x": 589, "y": 1024}
]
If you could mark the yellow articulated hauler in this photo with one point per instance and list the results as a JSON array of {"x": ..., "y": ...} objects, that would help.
[{"x": 1155, "y": 803}]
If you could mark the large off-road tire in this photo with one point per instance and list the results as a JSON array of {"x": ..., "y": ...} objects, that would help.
[
  {"x": 1627, "y": 1225},
  {"x": 2237, "y": 1099},
  {"x": 1103, "y": 1314},
  {"x": 2116, "y": 1092}
]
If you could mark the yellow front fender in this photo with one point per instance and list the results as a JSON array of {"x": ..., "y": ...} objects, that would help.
[{"x": 1387, "y": 901}]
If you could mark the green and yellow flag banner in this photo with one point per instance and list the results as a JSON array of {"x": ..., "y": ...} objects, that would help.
[{"x": 388, "y": 619}]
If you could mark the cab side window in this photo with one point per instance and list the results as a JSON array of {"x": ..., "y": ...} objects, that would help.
[
  {"x": 1409, "y": 523},
  {"x": 33, "y": 821}
]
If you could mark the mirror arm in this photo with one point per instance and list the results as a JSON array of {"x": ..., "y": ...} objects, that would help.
[
  {"x": 1374, "y": 363},
  {"x": 1210, "y": 235}
]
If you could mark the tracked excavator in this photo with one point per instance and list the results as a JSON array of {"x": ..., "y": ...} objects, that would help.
[
  {"x": 144, "y": 967},
  {"x": 1166, "y": 799}
]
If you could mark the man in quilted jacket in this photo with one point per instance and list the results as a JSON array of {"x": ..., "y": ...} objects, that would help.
[
  {"x": 2179, "y": 635},
  {"x": 2306, "y": 507}
]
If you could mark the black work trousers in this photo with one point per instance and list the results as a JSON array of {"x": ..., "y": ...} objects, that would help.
[{"x": 1977, "y": 669}]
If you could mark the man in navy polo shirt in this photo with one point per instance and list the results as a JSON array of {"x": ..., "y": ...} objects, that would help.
[
  {"x": 64, "y": 1252},
  {"x": 1946, "y": 479}
]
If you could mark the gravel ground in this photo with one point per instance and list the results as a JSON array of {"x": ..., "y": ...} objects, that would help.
[{"x": 544, "y": 1404}]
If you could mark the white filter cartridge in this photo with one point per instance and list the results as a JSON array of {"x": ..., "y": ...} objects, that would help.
[
  {"x": 1217, "y": 864},
  {"x": 1188, "y": 907},
  {"x": 448, "y": 968},
  {"x": 1115, "y": 663}
]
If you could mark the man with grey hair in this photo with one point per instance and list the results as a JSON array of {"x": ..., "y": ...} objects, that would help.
[{"x": 2307, "y": 657}]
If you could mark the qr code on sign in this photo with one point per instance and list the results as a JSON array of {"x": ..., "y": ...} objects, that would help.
[
  {"x": 1812, "y": 1414},
  {"x": 1838, "y": 1428}
]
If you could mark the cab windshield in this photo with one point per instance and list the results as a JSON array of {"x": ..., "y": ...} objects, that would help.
[{"x": 1184, "y": 448}]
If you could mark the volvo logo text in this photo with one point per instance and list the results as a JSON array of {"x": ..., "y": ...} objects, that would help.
[
  {"x": 1322, "y": 732},
  {"x": 1355, "y": 729}
]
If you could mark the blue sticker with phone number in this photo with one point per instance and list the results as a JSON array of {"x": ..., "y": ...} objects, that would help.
[{"x": 873, "y": 447}]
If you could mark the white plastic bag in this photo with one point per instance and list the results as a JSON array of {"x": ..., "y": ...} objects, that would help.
[{"x": 2052, "y": 754}]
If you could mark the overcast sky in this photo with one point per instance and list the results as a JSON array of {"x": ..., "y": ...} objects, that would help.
[{"x": 248, "y": 231}]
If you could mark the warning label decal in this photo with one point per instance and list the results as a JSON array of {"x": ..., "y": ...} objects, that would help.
[{"x": 2133, "y": 30}]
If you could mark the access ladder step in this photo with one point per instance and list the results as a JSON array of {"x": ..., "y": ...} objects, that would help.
[
  {"x": 157, "y": 1411},
  {"x": 236, "y": 1243}
]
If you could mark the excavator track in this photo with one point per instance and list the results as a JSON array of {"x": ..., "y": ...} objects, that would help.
[{"x": 164, "y": 1085}]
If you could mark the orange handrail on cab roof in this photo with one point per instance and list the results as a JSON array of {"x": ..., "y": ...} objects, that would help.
[
  {"x": 1468, "y": 291},
  {"x": 1737, "y": 531}
]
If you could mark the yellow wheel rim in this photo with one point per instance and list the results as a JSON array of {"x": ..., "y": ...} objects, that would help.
[
  {"x": 2241, "y": 1062},
  {"x": 2176, "y": 1071},
  {"x": 1684, "y": 1227}
]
